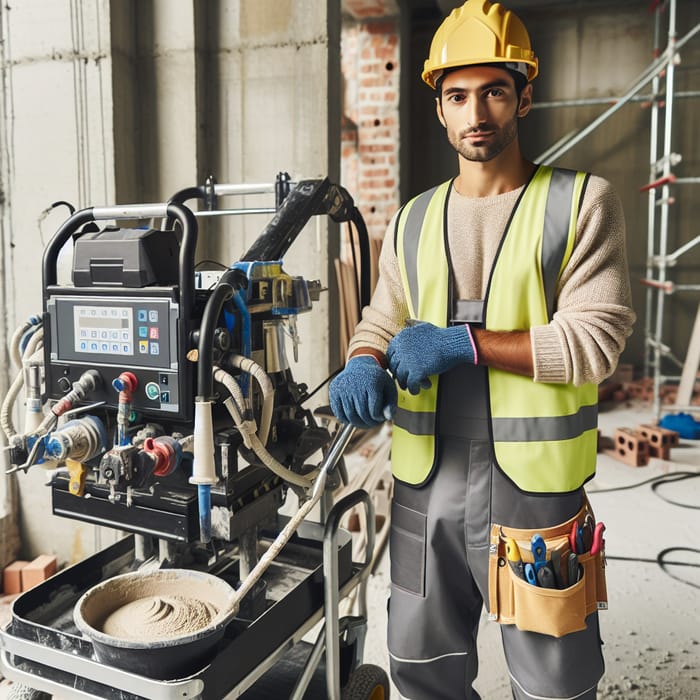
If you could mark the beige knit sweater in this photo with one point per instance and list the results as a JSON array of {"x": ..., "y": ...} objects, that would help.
[{"x": 593, "y": 319}]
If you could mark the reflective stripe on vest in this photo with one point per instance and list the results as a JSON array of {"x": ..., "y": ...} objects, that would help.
[{"x": 545, "y": 435}]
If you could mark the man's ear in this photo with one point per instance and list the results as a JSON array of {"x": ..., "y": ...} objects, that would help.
[
  {"x": 525, "y": 103},
  {"x": 438, "y": 109}
]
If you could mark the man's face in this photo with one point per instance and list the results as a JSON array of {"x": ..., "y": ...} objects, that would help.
[{"x": 479, "y": 107}]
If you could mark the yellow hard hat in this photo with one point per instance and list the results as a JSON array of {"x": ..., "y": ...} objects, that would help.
[{"x": 480, "y": 32}]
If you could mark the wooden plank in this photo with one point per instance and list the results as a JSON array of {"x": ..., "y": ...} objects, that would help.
[{"x": 341, "y": 304}]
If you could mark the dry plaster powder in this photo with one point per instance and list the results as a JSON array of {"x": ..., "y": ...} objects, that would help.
[{"x": 157, "y": 617}]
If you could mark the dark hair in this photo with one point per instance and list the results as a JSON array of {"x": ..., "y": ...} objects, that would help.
[{"x": 518, "y": 78}]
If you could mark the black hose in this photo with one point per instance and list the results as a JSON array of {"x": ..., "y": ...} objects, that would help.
[
  {"x": 180, "y": 197},
  {"x": 363, "y": 240},
  {"x": 188, "y": 246},
  {"x": 205, "y": 359}
]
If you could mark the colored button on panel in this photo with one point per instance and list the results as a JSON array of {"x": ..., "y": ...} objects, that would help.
[
  {"x": 165, "y": 397},
  {"x": 152, "y": 391}
]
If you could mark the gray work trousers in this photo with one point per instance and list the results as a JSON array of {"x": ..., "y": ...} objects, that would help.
[{"x": 439, "y": 547}]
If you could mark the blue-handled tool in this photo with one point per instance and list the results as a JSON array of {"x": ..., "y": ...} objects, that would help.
[
  {"x": 539, "y": 551},
  {"x": 530, "y": 574},
  {"x": 587, "y": 533}
]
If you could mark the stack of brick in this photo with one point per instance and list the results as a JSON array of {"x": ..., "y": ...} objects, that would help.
[
  {"x": 22, "y": 575},
  {"x": 636, "y": 446}
]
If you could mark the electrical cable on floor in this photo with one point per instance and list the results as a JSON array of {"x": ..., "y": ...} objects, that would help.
[{"x": 661, "y": 559}]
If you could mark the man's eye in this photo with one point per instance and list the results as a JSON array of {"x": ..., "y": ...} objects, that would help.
[
  {"x": 495, "y": 92},
  {"x": 456, "y": 98}
]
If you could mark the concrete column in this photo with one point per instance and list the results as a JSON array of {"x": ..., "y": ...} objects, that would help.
[{"x": 277, "y": 67}]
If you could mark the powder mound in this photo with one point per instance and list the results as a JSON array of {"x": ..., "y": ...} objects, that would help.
[{"x": 157, "y": 617}]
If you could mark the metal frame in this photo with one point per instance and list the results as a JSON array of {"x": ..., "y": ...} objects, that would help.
[
  {"x": 192, "y": 688},
  {"x": 47, "y": 657},
  {"x": 661, "y": 180},
  {"x": 659, "y": 258}
]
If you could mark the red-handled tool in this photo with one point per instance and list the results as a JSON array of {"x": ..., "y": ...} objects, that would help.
[
  {"x": 572, "y": 536},
  {"x": 598, "y": 540}
]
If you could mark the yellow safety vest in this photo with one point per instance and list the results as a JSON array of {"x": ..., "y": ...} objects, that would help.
[{"x": 544, "y": 435}]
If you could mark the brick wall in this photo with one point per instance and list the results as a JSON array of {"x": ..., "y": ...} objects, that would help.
[{"x": 370, "y": 130}]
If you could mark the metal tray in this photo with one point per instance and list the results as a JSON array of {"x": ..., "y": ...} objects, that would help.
[{"x": 42, "y": 648}]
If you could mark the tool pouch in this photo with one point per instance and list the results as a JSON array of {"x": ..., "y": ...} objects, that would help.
[{"x": 552, "y": 611}]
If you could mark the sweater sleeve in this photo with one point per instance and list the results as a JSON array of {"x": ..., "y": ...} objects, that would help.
[
  {"x": 387, "y": 311},
  {"x": 593, "y": 316}
]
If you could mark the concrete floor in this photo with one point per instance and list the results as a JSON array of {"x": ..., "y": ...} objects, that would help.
[{"x": 651, "y": 630}]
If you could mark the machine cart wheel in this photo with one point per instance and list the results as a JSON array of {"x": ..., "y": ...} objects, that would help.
[{"x": 367, "y": 682}]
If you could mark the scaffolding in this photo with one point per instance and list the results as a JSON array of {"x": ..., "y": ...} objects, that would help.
[{"x": 662, "y": 183}]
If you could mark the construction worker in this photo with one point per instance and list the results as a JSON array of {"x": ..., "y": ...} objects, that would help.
[{"x": 503, "y": 300}]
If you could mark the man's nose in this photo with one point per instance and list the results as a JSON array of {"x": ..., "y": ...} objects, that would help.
[{"x": 476, "y": 113}]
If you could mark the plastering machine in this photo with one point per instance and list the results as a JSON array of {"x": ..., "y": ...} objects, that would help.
[{"x": 160, "y": 399}]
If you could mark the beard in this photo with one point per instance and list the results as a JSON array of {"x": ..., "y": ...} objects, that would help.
[{"x": 497, "y": 141}]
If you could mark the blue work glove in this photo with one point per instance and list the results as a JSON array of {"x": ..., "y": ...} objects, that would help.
[
  {"x": 424, "y": 349},
  {"x": 363, "y": 394}
]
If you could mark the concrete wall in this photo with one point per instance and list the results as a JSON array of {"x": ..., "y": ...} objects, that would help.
[{"x": 131, "y": 101}]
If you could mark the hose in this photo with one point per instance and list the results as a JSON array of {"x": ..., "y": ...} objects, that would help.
[
  {"x": 33, "y": 358},
  {"x": 245, "y": 364},
  {"x": 15, "y": 352},
  {"x": 6, "y": 423},
  {"x": 205, "y": 361},
  {"x": 281, "y": 540},
  {"x": 661, "y": 560},
  {"x": 246, "y": 341},
  {"x": 247, "y": 428}
]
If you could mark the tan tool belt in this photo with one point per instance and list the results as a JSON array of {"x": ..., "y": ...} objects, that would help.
[{"x": 552, "y": 611}]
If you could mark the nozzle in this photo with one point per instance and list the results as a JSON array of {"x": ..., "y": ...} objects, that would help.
[{"x": 204, "y": 467}]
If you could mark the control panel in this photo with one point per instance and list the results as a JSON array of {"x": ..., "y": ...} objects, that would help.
[{"x": 116, "y": 333}]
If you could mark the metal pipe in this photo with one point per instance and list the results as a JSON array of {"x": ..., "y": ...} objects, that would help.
[
  {"x": 665, "y": 193},
  {"x": 592, "y": 101},
  {"x": 687, "y": 180},
  {"x": 680, "y": 251},
  {"x": 235, "y": 212},
  {"x": 654, "y": 68},
  {"x": 651, "y": 208}
]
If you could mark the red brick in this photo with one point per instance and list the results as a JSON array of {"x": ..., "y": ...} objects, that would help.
[
  {"x": 631, "y": 447},
  {"x": 38, "y": 570},
  {"x": 12, "y": 577},
  {"x": 661, "y": 440}
]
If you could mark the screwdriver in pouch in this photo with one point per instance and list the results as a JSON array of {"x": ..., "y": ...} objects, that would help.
[{"x": 514, "y": 559}]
